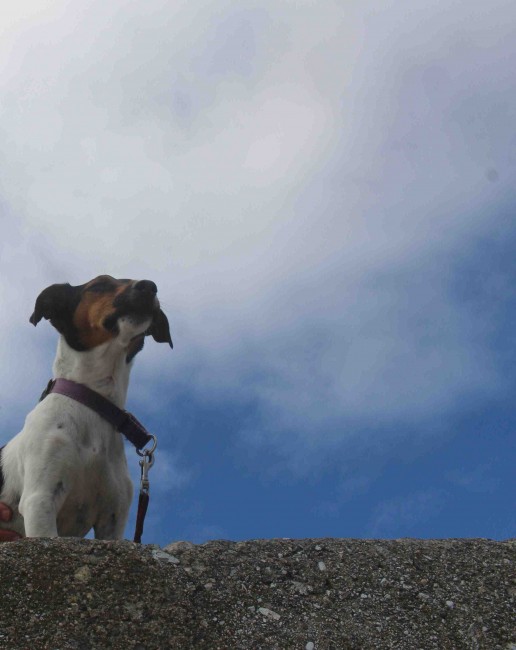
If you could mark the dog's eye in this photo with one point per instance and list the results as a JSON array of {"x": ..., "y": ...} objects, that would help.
[{"x": 110, "y": 323}]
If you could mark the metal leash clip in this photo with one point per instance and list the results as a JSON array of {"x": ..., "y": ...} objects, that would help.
[{"x": 146, "y": 463}]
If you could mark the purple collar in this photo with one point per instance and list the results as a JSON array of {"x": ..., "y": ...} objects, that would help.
[{"x": 123, "y": 421}]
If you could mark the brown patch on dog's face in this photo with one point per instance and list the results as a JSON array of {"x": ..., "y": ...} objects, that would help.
[{"x": 94, "y": 309}]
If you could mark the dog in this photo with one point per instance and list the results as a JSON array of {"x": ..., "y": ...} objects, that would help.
[{"x": 66, "y": 471}]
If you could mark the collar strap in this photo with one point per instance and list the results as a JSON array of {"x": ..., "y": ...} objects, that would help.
[{"x": 123, "y": 421}]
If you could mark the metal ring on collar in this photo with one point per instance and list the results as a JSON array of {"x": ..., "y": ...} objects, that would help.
[{"x": 147, "y": 452}]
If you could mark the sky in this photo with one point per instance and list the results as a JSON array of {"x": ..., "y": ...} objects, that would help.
[{"x": 324, "y": 193}]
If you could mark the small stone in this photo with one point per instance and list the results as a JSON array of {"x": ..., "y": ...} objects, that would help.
[
  {"x": 268, "y": 613},
  {"x": 364, "y": 596},
  {"x": 301, "y": 588},
  {"x": 165, "y": 557},
  {"x": 450, "y": 604},
  {"x": 83, "y": 574},
  {"x": 322, "y": 566},
  {"x": 310, "y": 645},
  {"x": 318, "y": 548},
  {"x": 178, "y": 547}
]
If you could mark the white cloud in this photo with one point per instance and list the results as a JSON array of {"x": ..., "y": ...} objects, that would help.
[{"x": 296, "y": 178}]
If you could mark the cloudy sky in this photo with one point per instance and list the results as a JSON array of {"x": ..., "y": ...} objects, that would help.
[{"x": 324, "y": 194}]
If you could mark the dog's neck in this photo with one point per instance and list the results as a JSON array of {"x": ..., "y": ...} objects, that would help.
[{"x": 104, "y": 369}]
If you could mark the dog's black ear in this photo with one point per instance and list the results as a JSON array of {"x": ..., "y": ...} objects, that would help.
[
  {"x": 53, "y": 303},
  {"x": 160, "y": 330}
]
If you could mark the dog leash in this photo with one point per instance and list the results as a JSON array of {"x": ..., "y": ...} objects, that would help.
[
  {"x": 124, "y": 422},
  {"x": 1, "y": 473}
]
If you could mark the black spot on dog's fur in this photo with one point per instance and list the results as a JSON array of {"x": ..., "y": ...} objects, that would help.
[
  {"x": 58, "y": 490},
  {"x": 111, "y": 526}
]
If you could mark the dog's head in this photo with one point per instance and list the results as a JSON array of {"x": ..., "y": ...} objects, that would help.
[{"x": 104, "y": 309}]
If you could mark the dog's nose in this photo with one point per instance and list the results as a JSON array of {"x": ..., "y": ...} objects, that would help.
[{"x": 146, "y": 286}]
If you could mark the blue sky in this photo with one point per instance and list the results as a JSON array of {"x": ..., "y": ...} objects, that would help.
[{"x": 324, "y": 194}]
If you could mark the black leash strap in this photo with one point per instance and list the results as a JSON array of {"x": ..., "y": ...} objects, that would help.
[{"x": 1, "y": 473}]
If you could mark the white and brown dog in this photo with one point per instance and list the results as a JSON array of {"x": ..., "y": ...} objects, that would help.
[{"x": 66, "y": 471}]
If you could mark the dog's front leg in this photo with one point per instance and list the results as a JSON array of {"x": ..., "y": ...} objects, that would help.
[
  {"x": 39, "y": 515},
  {"x": 44, "y": 491}
]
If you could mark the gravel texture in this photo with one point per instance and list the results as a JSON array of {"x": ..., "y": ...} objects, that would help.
[{"x": 312, "y": 594}]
